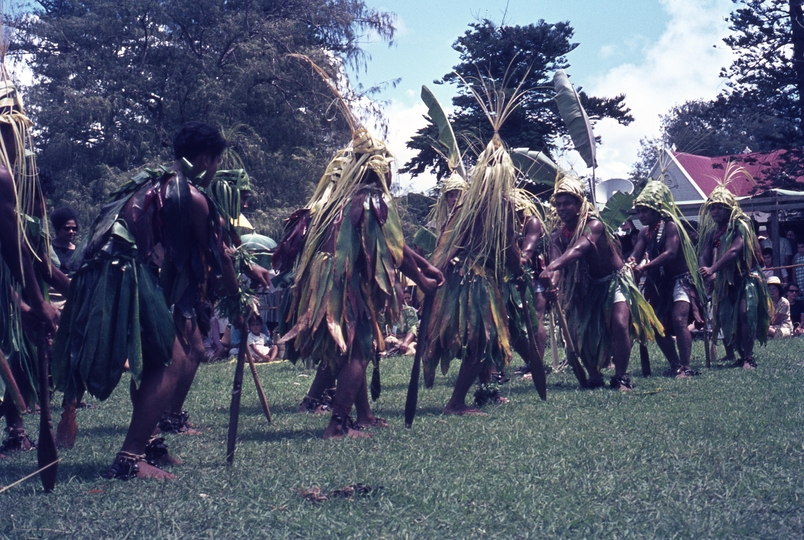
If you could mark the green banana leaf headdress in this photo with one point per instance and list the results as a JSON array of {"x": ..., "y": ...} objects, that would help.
[
  {"x": 225, "y": 190},
  {"x": 440, "y": 212},
  {"x": 570, "y": 185},
  {"x": 657, "y": 196},
  {"x": 738, "y": 220}
]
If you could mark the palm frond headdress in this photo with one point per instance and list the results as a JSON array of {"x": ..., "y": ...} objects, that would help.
[
  {"x": 738, "y": 220},
  {"x": 490, "y": 195}
]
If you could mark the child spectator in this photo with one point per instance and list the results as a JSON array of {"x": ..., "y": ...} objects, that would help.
[{"x": 259, "y": 343}]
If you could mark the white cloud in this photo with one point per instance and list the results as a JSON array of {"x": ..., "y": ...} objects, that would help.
[
  {"x": 404, "y": 121},
  {"x": 682, "y": 64}
]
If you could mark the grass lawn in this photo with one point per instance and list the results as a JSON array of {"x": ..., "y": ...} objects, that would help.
[{"x": 717, "y": 456}]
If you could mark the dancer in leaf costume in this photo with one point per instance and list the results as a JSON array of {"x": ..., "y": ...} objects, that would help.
[
  {"x": 24, "y": 266},
  {"x": 347, "y": 275},
  {"x": 426, "y": 238},
  {"x": 477, "y": 253},
  {"x": 118, "y": 308},
  {"x": 604, "y": 307},
  {"x": 729, "y": 259},
  {"x": 673, "y": 285},
  {"x": 534, "y": 246}
]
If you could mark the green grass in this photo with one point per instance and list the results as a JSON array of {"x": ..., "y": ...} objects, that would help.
[{"x": 717, "y": 456}]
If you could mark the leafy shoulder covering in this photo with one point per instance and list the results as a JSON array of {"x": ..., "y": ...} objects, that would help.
[{"x": 352, "y": 279}]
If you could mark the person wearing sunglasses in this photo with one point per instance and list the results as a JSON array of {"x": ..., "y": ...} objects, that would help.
[
  {"x": 793, "y": 295},
  {"x": 65, "y": 227}
]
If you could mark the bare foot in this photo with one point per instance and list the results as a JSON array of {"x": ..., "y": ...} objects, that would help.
[
  {"x": 167, "y": 459},
  {"x": 149, "y": 471},
  {"x": 338, "y": 433},
  {"x": 373, "y": 422},
  {"x": 3, "y": 456},
  {"x": 463, "y": 411},
  {"x": 67, "y": 429}
]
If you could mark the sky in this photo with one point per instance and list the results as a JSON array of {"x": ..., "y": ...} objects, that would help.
[{"x": 659, "y": 53}]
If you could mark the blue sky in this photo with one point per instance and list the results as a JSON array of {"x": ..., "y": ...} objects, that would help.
[{"x": 657, "y": 52}]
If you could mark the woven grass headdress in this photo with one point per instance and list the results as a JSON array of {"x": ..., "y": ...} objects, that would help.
[{"x": 570, "y": 185}]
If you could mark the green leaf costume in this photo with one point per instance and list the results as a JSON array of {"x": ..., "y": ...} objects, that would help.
[
  {"x": 589, "y": 302},
  {"x": 740, "y": 281},
  {"x": 346, "y": 275},
  {"x": 119, "y": 304}
]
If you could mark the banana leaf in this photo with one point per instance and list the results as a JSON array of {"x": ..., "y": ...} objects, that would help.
[
  {"x": 574, "y": 117},
  {"x": 617, "y": 210},
  {"x": 446, "y": 135},
  {"x": 535, "y": 165}
]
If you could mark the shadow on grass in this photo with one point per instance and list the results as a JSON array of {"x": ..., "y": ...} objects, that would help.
[
  {"x": 102, "y": 431},
  {"x": 276, "y": 435}
]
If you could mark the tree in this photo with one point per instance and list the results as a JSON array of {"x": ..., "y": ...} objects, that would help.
[
  {"x": 503, "y": 56},
  {"x": 114, "y": 80},
  {"x": 761, "y": 108},
  {"x": 767, "y": 77}
]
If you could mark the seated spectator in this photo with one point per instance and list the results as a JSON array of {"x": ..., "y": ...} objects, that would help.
[
  {"x": 792, "y": 293},
  {"x": 781, "y": 324},
  {"x": 214, "y": 348},
  {"x": 259, "y": 342},
  {"x": 405, "y": 334}
]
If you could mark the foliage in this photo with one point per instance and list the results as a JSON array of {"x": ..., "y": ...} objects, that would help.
[
  {"x": 489, "y": 52},
  {"x": 413, "y": 209},
  {"x": 694, "y": 455},
  {"x": 761, "y": 108},
  {"x": 115, "y": 80}
]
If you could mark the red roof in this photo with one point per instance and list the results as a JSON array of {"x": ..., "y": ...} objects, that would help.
[{"x": 706, "y": 172}]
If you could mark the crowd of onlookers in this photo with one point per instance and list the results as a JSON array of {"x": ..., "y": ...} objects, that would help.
[{"x": 785, "y": 282}]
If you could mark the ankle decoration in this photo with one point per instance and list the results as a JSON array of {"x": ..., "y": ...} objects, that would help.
[
  {"x": 174, "y": 422},
  {"x": 155, "y": 450},
  {"x": 623, "y": 381},
  {"x": 17, "y": 441},
  {"x": 125, "y": 466}
]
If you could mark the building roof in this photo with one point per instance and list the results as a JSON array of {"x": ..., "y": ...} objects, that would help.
[{"x": 706, "y": 172}]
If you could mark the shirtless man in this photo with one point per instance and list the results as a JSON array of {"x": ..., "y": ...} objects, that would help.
[
  {"x": 672, "y": 285},
  {"x": 531, "y": 232},
  {"x": 728, "y": 258},
  {"x": 602, "y": 313},
  {"x": 164, "y": 210}
]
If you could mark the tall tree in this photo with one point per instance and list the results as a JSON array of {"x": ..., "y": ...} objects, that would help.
[
  {"x": 761, "y": 109},
  {"x": 767, "y": 76},
  {"x": 114, "y": 80},
  {"x": 503, "y": 56}
]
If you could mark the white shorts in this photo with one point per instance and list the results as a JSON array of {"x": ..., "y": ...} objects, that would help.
[
  {"x": 679, "y": 293},
  {"x": 618, "y": 295}
]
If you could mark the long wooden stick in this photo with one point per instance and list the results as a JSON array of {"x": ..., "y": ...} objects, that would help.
[
  {"x": 46, "y": 454},
  {"x": 553, "y": 341},
  {"x": 260, "y": 391},
  {"x": 412, "y": 399},
  {"x": 237, "y": 391},
  {"x": 536, "y": 362},
  {"x": 572, "y": 356}
]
